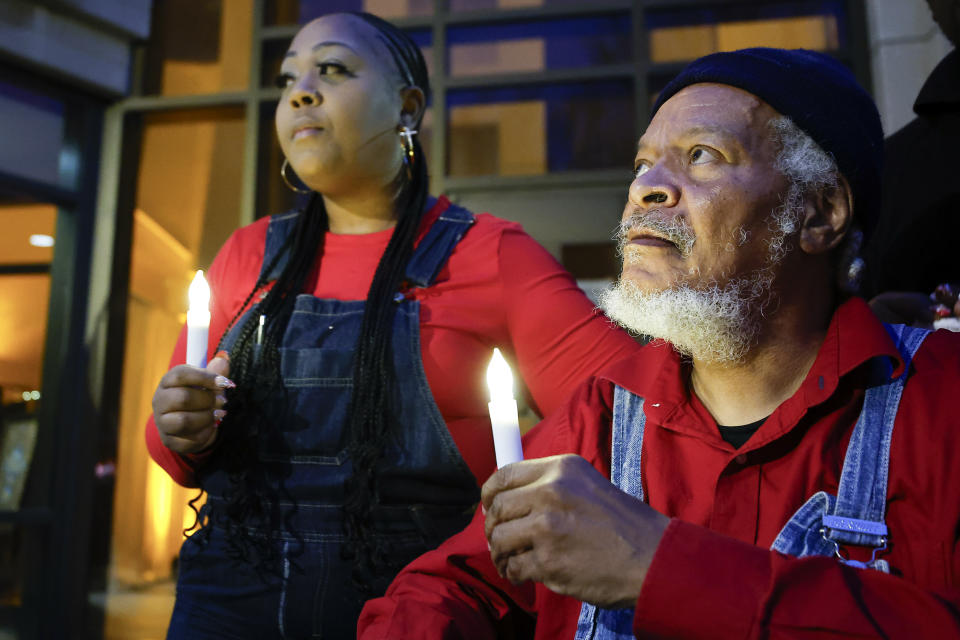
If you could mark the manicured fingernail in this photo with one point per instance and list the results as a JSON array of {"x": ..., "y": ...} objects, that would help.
[
  {"x": 941, "y": 311},
  {"x": 224, "y": 383},
  {"x": 218, "y": 414},
  {"x": 220, "y": 400},
  {"x": 222, "y": 354}
]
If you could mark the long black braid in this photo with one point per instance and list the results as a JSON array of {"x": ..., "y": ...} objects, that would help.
[{"x": 254, "y": 413}]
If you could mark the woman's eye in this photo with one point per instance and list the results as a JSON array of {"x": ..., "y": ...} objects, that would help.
[
  {"x": 283, "y": 80},
  {"x": 330, "y": 68},
  {"x": 701, "y": 155},
  {"x": 640, "y": 169}
]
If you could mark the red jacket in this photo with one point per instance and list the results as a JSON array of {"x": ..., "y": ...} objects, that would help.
[{"x": 713, "y": 574}]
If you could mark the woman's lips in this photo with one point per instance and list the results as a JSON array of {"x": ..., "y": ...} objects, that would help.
[{"x": 305, "y": 132}]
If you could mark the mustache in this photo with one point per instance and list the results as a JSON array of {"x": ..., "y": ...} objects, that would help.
[{"x": 673, "y": 228}]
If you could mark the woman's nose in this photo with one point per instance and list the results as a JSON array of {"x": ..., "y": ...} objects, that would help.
[{"x": 304, "y": 95}]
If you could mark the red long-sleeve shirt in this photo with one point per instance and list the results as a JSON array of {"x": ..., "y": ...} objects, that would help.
[
  {"x": 498, "y": 288},
  {"x": 713, "y": 575}
]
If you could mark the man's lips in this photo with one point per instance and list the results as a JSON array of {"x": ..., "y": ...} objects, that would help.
[{"x": 650, "y": 239}]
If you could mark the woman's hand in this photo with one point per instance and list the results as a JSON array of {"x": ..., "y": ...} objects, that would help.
[{"x": 188, "y": 404}]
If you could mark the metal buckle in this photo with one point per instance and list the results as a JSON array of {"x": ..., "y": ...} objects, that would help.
[{"x": 850, "y": 562}]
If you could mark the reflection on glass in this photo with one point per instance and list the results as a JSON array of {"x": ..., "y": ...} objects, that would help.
[
  {"x": 187, "y": 203},
  {"x": 303, "y": 11},
  {"x": 32, "y": 135},
  {"x": 199, "y": 47},
  {"x": 535, "y": 130},
  {"x": 535, "y": 46},
  {"x": 24, "y": 298},
  {"x": 681, "y": 35}
]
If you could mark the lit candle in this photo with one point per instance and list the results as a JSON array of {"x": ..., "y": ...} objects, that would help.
[
  {"x": 503, "y": 411},
  {"x": 198, "y": 321}
]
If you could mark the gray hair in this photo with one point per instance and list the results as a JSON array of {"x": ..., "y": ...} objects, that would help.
[{"x": 809, "y": 169}]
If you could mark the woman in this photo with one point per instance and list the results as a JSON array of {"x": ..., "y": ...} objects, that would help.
[{"x": 358, "y": 331}]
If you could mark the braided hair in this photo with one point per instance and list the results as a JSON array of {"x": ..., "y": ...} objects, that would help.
[{"x": 255, "y": 412}]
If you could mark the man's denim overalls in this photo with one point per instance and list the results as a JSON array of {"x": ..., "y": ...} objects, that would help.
[
  {"x": 427, "y": 491},
  {"x": 855, "y": 516}
]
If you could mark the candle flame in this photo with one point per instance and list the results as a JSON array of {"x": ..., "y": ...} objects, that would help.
[
  {"x": 499, "y": 378},
  {"x": 199, "y": 292}
]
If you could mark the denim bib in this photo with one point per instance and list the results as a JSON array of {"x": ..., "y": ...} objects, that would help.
[
  {"x": 427, "y": 490},
  {"x": 855, "y": 516}
]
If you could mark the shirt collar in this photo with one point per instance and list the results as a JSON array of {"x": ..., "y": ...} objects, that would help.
[{"x": 660, "y": 375}]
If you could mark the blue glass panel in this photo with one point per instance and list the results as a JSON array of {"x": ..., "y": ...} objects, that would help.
[
  {"x": 578, "y": 126},
  {"x": 550, "y": 44},
  {"x": 32, "y": 131},
  {"x": 303, "y": 11},
  {"x": 688, "y": 33}
]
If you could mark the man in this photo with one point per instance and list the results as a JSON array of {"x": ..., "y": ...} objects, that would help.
[{"x": 785, "y": 468}]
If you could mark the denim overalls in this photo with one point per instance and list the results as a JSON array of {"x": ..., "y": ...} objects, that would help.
[
  {"x": 427, "y": 491},
  {"x": 854, "y": 517}
]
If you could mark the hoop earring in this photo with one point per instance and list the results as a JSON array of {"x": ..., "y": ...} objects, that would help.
[
  {"x": 406, "y": 145},
  {"x": 286, "y": 180}
]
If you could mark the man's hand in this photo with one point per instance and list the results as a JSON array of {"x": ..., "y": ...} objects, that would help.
[
  {"x": 188, "y": 405},
  {"x": 558, "y": 521}
]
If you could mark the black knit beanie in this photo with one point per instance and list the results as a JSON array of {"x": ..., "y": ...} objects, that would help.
[{"x": 820, "y": 95}]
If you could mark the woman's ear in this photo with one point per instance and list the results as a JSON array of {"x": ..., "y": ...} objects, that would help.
[
  {"x": 413, "y": 104},
  {"x": 827, "y": 215}
]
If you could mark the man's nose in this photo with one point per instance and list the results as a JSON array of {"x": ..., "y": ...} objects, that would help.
[{"x": 654, "y": 189}]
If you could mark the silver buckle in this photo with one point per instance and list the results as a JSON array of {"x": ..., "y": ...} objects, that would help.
[{"x": 849, "y": 561}]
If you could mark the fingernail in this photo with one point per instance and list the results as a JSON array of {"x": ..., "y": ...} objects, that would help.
[
  {"x": 483, "y": 509},
  {"x": 224, "y": 383},
  {"x": 220, "y": 400},
  {"x": 489, "y": 548},
  {"x": 222, "y": 354},
  {"x": 941, "y": 311},
  {"x": 218, "y": 414}
]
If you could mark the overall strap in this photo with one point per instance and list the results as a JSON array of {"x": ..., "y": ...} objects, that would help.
[
  {"x": 855, "y": 516},
  {"x": 437, "y": 245},
  {"x": 629, "y": 423},
  {"x": 278, "y": 233},
  {"x": 858, "y": 515}
]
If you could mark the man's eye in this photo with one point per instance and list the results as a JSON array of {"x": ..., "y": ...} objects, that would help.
[
  {"x": 702, "y": 155},
  {"x": 640, "y": 169}
]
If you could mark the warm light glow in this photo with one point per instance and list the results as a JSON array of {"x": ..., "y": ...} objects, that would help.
[
  {"x": 499, "y": 378},
  {"x": 41, "y": 240},
  {"x": 199, "y": 293}
]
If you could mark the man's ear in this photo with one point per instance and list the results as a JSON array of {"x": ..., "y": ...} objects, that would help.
[
  {"x": 827, "y": 216},
  {"x": 413, "y": 104}
]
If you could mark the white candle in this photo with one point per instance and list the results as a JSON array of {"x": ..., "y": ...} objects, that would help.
[
  {"x": 503, "y": 411},
  {"x": 198, "y": 321}
]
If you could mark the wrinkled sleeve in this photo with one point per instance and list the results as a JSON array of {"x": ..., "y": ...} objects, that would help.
[
  {"x": 232, "y": 274},
  {"x": 559, "y": 337},
  {"x": 731, "y": 589}
]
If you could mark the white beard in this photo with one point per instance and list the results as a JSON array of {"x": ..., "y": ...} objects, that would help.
[
  {"x": 713, "y": 324},
  {"x": 709, "y": 323}
]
